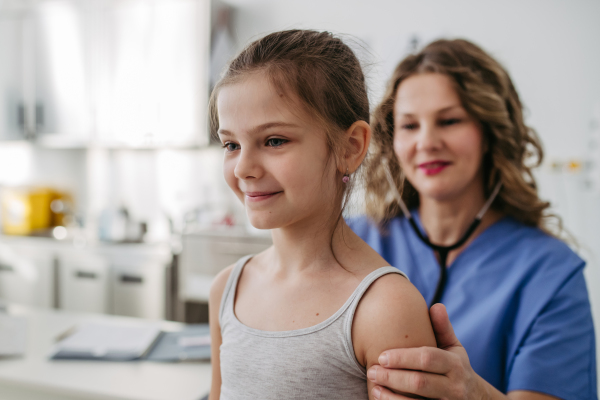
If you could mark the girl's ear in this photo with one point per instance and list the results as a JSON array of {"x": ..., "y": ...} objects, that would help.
[{"x": 358, "y": 137}]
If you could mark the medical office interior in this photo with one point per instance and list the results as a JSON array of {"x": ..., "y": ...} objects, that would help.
[{"x": 114, "y": 211}]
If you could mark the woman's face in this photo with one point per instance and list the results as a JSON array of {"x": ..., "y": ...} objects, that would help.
[
  {"x": 276, "y": 156},
  {"x": 439, "y": 146}
]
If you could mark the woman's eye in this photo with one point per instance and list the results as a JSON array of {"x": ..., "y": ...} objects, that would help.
[
  {"x": 409, "y": 127},
  {"x": 449, "y": 121},
  {"x": 276, "y": 142},
  {"x": 230, "y": 146}
]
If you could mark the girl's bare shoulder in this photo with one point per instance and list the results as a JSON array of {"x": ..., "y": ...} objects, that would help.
[
  {"x": 391, "y": 314},
  {"x": 218, "y": 284}
]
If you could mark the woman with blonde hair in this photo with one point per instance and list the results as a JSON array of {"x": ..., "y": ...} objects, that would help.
[{"x": 452, "y": 202}]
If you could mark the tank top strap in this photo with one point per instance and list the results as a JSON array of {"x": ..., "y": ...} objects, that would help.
[
  {"x": 351, "y": 310},
  {"x": 230, "y": 288}
]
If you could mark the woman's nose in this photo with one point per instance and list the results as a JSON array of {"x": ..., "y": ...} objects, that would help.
[
  {"x": 429, "y": 138},
  {"x": 248, "y": 165}
]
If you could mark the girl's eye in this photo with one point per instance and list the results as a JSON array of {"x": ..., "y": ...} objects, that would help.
[
  {"x": 276, "y": 142},
  {"x": 231, "y": 146},
  {"x": 409, "y": 127},
  {"x": 449, "y": 121}
]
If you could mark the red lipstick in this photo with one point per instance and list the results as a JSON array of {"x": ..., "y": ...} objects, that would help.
[{"x": 434, "y": 167}]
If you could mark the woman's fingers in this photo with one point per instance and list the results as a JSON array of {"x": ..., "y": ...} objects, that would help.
[
  {"x": 406, "y": 381},
  {"x": 443, "y": 372},
  {"x": 444, "y": 332},
  {"x": 381, "y": 393},
  {"x": 427, "y": 359}
]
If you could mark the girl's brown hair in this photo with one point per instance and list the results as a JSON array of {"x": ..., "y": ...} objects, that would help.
[
  {"x": 487, "y": 94},
  {"x": 319, "y": 68}
]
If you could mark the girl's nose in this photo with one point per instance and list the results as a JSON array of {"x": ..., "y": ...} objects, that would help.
[{"x": 248, "y": 166}]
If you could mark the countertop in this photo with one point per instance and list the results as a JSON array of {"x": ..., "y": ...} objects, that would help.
[{"x": 34, "y": 377}]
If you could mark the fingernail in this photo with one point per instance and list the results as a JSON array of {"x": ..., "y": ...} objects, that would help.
[
  {"x": 376, "y": 392},
  {"x": 372, "y": 374},
  {"x": 383, "y": 359}
]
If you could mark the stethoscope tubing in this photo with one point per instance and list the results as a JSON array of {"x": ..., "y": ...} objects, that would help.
[{"x": 442, "y": 251}]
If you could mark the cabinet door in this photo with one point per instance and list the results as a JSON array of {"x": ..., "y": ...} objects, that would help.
[
  {"x": 62, "y": 70},
  {"x": 26, "y": 275},
  {"x": 120, "y": 72},
  {"x": 139, "y": 290},
  {"x": 13, "y": 108},
  {"x": 83, "y": 282},
  {"x": 155, "y": 72}
]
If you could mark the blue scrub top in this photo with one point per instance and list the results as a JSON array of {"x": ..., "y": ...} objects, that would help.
[{"x": 517, "y": 300}]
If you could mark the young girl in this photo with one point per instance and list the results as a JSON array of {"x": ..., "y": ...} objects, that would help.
[{"x": 307, "y": 317}]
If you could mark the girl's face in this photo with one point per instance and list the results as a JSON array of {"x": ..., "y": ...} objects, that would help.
[
  {"x": 276, "y": 156},
  {"x": 439, "y": 146}
]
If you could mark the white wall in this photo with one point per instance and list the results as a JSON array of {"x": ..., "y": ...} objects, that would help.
[{"x": 550, "y": 47}]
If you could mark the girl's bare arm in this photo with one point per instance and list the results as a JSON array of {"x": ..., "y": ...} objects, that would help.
[
  {"x": 214, "y": 305},
  {"x": 392, "y": 314}
]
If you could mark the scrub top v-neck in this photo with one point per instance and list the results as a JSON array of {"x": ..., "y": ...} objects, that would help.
[{"x": 517, "y": 300}]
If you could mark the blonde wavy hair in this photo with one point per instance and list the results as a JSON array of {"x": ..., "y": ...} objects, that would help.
[{"x": 489, "y": 96}]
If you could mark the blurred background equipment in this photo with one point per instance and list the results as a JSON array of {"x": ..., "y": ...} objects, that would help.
[
  {"x": 25, "y": 211},
  {"x": 33, "y": 210}
]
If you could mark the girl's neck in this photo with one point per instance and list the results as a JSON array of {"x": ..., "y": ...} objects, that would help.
[{"x": 309, "y": 246}]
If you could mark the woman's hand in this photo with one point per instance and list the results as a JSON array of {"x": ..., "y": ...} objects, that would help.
[{"x": 441, "y": 373}]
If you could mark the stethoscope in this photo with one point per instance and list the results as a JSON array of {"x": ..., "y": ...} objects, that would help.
[{"x": 442, "y": 251}]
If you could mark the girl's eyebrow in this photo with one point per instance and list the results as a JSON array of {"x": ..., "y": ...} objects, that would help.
[
  {"x": 223, "y": 132},
  {"x": 270, "y": 125},
  {"x": 260, "y": 128}
]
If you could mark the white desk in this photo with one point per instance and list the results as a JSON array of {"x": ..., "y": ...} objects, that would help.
[{"x": 34, "y": 377}]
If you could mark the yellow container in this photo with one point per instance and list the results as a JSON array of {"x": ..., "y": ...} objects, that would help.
[{"x": 26, "y": 210}]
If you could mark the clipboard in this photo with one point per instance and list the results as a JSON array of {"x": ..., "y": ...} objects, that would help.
[{"x": 190, "y": 344}]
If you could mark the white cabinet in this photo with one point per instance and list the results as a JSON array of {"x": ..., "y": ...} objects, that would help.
[
  {"x": 153, "y": 66},
  {"x": 136, "y": 71},
  {"x": 62, "y": 70},
  {"x": 138, "y": 279},
  {"x": 138, "y": 290},
  {"x": 116, "y": 73},
  {"x": 14, "y": 112},
  {"x": 125, "y": 279},
  {"x": 83, "y": 282},
  {"x": 26, "y": 275}
]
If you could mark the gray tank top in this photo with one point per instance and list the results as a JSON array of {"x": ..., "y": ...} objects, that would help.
[{"x": 310, "y": 363}]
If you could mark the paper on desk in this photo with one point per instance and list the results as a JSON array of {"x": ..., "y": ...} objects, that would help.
[
  {"x": 13, "y": 335},
  {"x": 93, "y": 340},
  {"x": 192, "y": 343}
]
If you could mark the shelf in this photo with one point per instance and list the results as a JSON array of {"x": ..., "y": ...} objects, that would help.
[{"x": 64, "y": 144}]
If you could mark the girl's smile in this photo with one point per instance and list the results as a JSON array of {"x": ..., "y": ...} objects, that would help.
[{"x": 261, "y": 196}]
